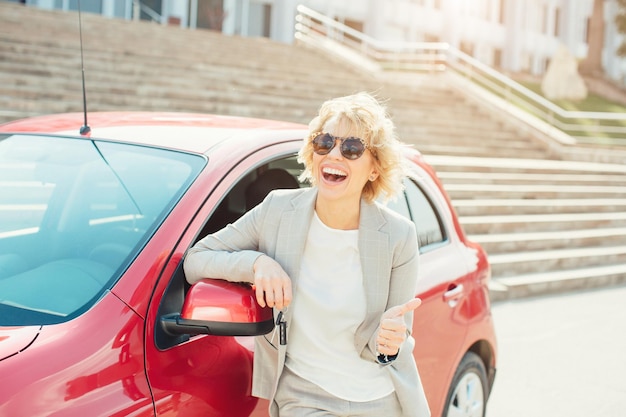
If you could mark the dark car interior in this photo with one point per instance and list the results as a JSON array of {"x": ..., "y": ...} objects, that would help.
[{"x": 252, "y": 189}]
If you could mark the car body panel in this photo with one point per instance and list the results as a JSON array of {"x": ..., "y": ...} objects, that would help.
[
  {"x": 92, "y": 365},
  {"x": 14, "y": 340}
]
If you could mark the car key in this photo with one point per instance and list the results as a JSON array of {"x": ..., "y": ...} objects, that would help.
[{"x": 282, "y": 328}]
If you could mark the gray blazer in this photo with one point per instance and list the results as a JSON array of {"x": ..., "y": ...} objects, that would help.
[{"x": 278, "y": 227}]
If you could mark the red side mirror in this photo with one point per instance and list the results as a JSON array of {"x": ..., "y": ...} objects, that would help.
[{"x": 220, "y": 308}]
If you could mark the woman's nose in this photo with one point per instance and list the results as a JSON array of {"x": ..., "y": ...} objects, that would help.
[{"x": 336, "y": 150}]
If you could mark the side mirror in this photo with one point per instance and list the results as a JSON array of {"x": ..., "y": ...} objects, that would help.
[{"x": 220, "y": 308}]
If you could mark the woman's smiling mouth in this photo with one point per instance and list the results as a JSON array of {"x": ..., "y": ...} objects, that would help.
[{"x": 333, "y": 174}]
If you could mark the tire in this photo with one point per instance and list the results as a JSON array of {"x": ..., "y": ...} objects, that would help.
[{"x": 468, "y": 394}]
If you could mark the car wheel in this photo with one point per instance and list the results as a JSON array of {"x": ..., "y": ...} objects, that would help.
[{"x": 468, "y": 392}]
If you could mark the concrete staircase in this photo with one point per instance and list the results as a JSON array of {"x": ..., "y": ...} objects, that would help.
[
  {"x": 548, "y": 223},
  {"x": 139, "y": 65}
]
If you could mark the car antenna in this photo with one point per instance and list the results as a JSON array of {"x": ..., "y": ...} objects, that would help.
[{"x": 85, "y": 130}]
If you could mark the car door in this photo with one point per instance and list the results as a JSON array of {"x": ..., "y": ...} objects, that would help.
[
  {"x": 439, "y": 327},
  {"x": 206, "y": 375}
]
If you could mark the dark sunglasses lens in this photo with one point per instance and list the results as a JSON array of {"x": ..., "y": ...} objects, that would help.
[
  {"x": 352, "y": 148},
  {"x": 324, "y": 143}
]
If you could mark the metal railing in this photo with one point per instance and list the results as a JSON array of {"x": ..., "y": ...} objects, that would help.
[
  {"x": 318, "y": 30},
  {"x": 139, "y": 8}
]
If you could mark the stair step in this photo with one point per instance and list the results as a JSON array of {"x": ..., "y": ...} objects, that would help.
[
  {"x": 475, "y": 225},
  {"x": 512, "y": 206},
  {"x": 435, "y": 149},
  {"x": 493, "y": 140},
  {"x": 450, "y": 177},
  {"x": 510, "y": 264},
  {"x": 499, "y": 243},
  {"x": 488, "y": 164},
  {"x": 545, "y": 191},
  {"x": 526, "y": 285}
]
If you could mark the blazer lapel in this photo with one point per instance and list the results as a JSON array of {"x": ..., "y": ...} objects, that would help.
[
  {"x": 376, "y": 265},
  {"x": 292, "y": 234}
]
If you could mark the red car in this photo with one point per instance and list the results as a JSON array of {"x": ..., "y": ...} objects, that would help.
[{"x": 96, "y": 318}]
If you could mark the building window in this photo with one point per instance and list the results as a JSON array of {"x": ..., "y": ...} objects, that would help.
[
  {"x": 267, "y": 20},
  {"x": 211, "y": 15},
  {"x": 557, "y": 21},
  {"x": 467, "y": 47},
  {"x": 497, "y": 58}
]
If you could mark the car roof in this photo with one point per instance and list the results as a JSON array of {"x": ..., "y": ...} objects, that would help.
[{"x": 191, "y": 132}]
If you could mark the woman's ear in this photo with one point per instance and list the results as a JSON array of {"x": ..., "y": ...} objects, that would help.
[{"x": 373, "y": 176}]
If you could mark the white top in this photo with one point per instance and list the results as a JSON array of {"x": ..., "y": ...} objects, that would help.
[{"x": 327, "y": 309}]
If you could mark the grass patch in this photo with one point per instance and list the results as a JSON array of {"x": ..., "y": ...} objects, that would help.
[{"x": 593, "y": 102}]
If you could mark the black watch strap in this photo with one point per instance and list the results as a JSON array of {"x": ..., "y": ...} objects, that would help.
[{"x": 384, "y": 359}]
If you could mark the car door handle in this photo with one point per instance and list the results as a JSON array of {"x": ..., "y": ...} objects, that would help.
[{"x": 453, "y": 294}]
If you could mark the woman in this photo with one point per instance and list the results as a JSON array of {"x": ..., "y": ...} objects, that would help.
[{"x": 340, "y": 268}]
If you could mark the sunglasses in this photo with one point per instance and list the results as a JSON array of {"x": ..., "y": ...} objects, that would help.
[{"x": 351, "y": 148}]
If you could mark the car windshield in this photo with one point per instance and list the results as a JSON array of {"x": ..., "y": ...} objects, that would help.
[{"x": 74, "y": 213}]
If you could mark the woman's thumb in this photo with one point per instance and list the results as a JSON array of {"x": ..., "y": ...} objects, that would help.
[{"x": 402, "y": 309}]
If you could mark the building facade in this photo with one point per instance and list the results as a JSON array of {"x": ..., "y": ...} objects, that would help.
[{"x": 519, "y": 36}]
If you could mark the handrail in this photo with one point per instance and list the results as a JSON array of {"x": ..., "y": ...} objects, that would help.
[
  {"x": 321, "y": 31},
  {"x": 139, "y": 7}
]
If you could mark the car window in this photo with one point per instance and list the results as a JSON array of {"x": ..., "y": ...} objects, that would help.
[
  {"x": 252, "y": 188},
  {"x": 430, "y": 231},
  {"x": 414, "y": 204},
  {"x": 399, "y": 205},
  {"x": 74, "y": 214}
]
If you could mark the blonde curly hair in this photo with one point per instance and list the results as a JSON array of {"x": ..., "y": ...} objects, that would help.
[{"x": 369, "y": 119}]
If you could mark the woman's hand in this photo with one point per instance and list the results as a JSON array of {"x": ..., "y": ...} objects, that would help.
[
  {"x": 392, "y": 330},
  {"x": 273, "y": 285}
]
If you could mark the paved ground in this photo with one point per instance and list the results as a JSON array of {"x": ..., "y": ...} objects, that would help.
[{"x": 562, "y": 355}]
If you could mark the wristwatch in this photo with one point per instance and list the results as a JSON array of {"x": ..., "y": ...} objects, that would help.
[{"x": 386, "y": 359}]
